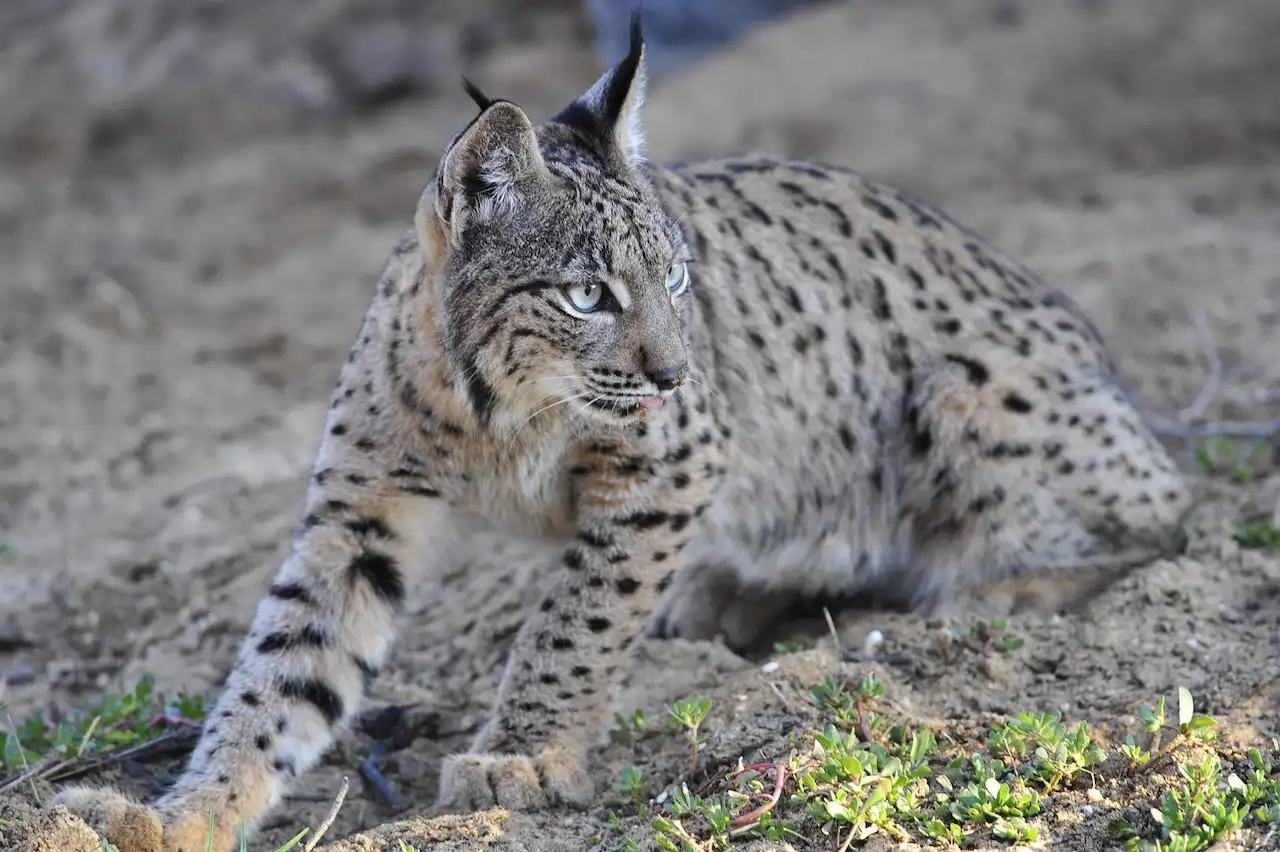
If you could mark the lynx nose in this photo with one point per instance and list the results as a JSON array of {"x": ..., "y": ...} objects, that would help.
[{"x": 669, "y": 377}]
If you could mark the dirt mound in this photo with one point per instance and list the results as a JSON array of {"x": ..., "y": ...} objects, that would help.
[{"x": 196, "y": 202}]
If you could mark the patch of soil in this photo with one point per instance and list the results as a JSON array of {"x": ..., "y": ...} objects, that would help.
[{"x": 197, "y": 199}]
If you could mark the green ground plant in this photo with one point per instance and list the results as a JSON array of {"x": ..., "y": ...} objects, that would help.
[{"x": 116, "y": 721}]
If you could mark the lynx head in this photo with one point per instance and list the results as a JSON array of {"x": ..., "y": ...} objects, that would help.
[{"x": 561, "y": 279}]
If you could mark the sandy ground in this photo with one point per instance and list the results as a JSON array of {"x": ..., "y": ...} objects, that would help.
[{"x": 194, "y": 206}]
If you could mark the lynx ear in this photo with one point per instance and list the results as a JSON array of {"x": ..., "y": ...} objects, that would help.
[
  {"x": 609, "y": 113},
  {"x": 490, "y": 168}
]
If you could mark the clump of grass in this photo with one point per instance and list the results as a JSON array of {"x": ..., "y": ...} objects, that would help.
[
  {"x": 862, "y": 775},
  {"x": 1206, "y": 807},
  {"x": 687, "y": 716},
  {"x": 1237, "y": 461},
  {"x": 628, "y": 730},
  {"x": 793, "y": 645},
  {"x": 633, "y": 785},
  {"x": 984, "y": 636},
  {"x": 1047, "y": 753},
  {"x": 116, "y": 721},
  {"x": 1258, "y": 535}
]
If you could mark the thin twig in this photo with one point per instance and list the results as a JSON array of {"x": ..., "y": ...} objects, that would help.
[
  {"x": 1217, "y": 429},
  {"x": 27, "y": 770},
  {"x": 751, "y": 817},
  {"x": 835, "y": 637},
  {"x": 178, "y": 744},
  {"x": 785, "y": 703},
  {"x": 30, "y": 773},
  {"x": 864, "y": 730},
  {"x": 333, "y": 814},
  {"x": 1182, "y": 427},
  {"x": 84, "y": 741},
  {"x": 1213, "y": 385},
  {"x": 370, "y": 772},
  {"x": 1266, "y": 396}
]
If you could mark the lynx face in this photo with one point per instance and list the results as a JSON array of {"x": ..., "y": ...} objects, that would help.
[{"x": 565, "y": 279}]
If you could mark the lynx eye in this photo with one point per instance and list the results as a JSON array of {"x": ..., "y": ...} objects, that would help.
[
  {"x": 586, "y": 296},
  {"x": 677, "y": 277}
]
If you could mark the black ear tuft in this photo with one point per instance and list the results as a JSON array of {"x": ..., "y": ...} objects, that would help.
[
  {"x": 608, "y": 115},
  {"x": 624, "y": 75},
  {"x": 473, "y": 91}
]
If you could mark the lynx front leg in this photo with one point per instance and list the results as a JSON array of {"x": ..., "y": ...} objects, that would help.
[
  {"x": 317, "y": 640},
  {"x": 555, "y": 690}
]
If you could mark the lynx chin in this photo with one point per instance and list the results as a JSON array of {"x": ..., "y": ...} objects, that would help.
[{"x": 707, "y": 391}]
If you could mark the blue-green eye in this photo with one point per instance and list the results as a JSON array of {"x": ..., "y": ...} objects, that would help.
[
  {"x": 677, "y": 277},
  {"x": 585, "y": 297}
]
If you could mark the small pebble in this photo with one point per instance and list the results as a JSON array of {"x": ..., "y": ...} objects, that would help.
[
  {"x": 21, "y": 675},
  {"x": 1087, "y": 810},
  {"x": 770, "y": 667},
  {"x": 873, "y": 642},
  {"x": 1094, "y": 794}
]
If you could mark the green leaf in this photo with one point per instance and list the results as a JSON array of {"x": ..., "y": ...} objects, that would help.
[
  {"x": 1186, "y": 705},
  {"x": 1199, "y": 723}
]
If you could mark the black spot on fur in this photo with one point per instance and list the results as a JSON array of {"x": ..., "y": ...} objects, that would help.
[
  {"x": 291, "y": 592},
  {"x": 627, "y": 585},
  {"x": 595, "y": 538},
  {"x": 370, "y": 526},
  {"x": 646, "y": 520},
  {"x": 1017, "y": 403},
  {"x": 368, "y": 671},
  {"x": 978, "y": 373},
  {"x": 481, "y": 397},
  {"x": 846, "y": 438},
  {"x": 316, "y": 693},
  {"x": 598, "y": 624},
  {"x": 380, "y": 572}
]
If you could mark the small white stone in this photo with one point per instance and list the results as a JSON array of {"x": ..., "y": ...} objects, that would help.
[
  {"x": 873, "y": 642},
  {"x": 770, "y": 667},
  {"x": 1087, "y": 810}
]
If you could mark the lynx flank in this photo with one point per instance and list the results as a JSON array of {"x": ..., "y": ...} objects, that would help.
[{"x": 706, "y": 390}]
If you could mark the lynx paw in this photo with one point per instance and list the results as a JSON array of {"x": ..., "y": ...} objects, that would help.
[
  {"x": 133, "y": 827},
  {"x": 474, "y": 782},
  {"x": 124, "y": 823}
]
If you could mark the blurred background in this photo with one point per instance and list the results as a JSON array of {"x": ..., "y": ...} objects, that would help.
[{"x": 196, "y": 198}]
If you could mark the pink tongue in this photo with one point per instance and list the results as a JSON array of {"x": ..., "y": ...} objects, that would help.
[{"x": 651, "y": 403}]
